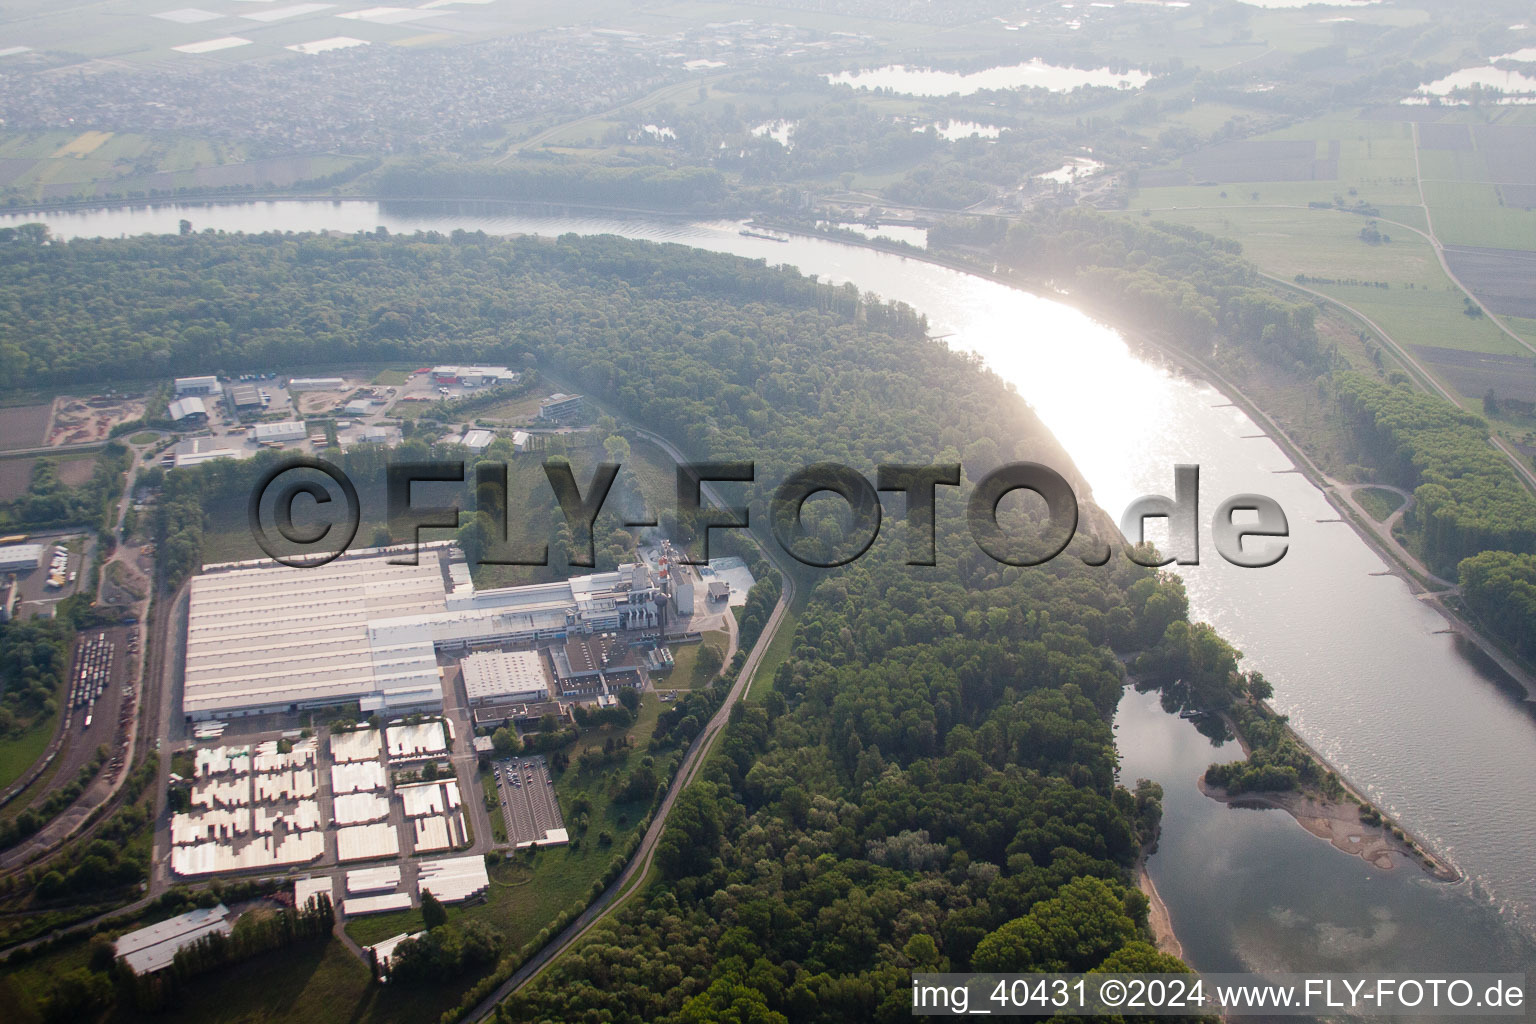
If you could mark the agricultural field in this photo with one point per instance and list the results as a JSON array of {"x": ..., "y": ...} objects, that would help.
[
  {"x": 1333, "y": 205},
  {"x": 16, "y": 473},
  {"x": 63, "y": 166},
  {"x": 24, "y": 426}
]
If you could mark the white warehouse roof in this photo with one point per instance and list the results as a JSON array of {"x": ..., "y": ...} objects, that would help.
[
  {"x": 274, "y": 636},
  {"x": 153, "y": 948},
  {"x": 184, "y": 407},
  {"x": 264, "y": 638},
  {"x": 477, "y": 440},
  {"x": 184, "y": 384},
  {"x": 288, "y": 430},
  {"x": 505, "y": 675},
  {"x": 453, "y": 879},
  {"x": 21, "y": 556}
]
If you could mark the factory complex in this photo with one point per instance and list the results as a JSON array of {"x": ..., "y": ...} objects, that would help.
[{"x": 265, "y": 638}]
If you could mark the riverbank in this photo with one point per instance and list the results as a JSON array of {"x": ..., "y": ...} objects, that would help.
[
  {"x": 1352, "y": 825},
  {"x": 1400, "y": 563},
  {"x": 1158, "y": 920},
  {"x": 1339, "y": 824}
]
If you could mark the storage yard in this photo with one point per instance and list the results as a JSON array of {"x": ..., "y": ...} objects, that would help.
[
  {"x": 362, "y": 891},
  {"x": 281, "y": 803}
]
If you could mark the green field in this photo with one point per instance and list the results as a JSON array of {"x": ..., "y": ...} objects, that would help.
[
  {"x": 18, "y": 753},
  {"x": 686, "y": 671},
  {"x": 1471, "y": 213},
  {"x": 778, "y": 650},
  {"x": 1379, "y": 502},
  {"x": 1421, "y": 306}
]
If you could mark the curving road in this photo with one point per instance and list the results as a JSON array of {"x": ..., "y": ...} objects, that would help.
[{"x": 698, "y": 751}]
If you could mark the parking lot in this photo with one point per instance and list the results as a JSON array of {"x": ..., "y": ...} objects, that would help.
[
  {"x": 528, "y": 803},
  {"x": 37, "y": 592}
]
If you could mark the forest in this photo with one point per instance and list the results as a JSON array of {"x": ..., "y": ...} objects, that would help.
[
  {"x": 929, "y": 779},
  {"x": 1190, "y": 286},
  {"x": 1500, "y": 588},
  {"x": 34, "y": 657},
  {"x": 1467, "y": 498}
]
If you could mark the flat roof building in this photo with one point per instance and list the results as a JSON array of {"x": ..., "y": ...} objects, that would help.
[
  {"x": 559, "y": 406},
  {"x": 196, "y": 386},
  {"x": 205, "y": 449},
  {"x": 265, "y": 638},
  {"x": 154, "y": 948},
  {"x": 306, "y": 889},
  {"x": 287, "y": 430},
  {"x": 505, "y": 677},
  {"x": 472, "y": 374},
  {"x": 520, "y": 714},
  {"x": 316, "y": 384},
  {"x": 21, "y": 557},
  {"x": 454, "y": 879},
  {"x": 583, "y": 662}
]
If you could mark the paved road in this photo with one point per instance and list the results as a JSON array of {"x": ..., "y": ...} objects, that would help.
[
  {"x": 698, "y": 751},
  {"x": 51, "y": 449}
]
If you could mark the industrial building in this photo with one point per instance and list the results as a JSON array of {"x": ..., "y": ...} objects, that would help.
[
  {"x": 477, "y": 440},
  {"x": 454, "y": 879},
  {"x": 316, "y": 384},
  {"x": 189, "y": 410},
  {"x": 264, "y": 638},
  {"x": 196, "y": 386},
  {"x": 472, "y": 374},
  {"x": 277, "y": 433},
  {"x": 503, "y": 677},
  {"x": 21, "y": 557},
  {"x": 306, "y": 889},
  {"x": 154, "y": 948},
  {"x": 583, "y": 664},
  {"x": 522, "y": 714},
  {"x": 245, "y": 396},
  {"x": 199, "y": 450},
  {"x": 560, "y": 406},
  {"x": 10, "y": 593},
  {"x": 357, "y": 407}
]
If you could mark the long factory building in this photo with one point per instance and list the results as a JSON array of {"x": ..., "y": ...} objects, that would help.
[{"x": 265, "y": 638}]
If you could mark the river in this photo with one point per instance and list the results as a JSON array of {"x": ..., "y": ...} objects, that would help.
[{"x": 1356, "y": 660}]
